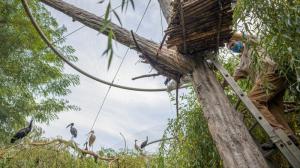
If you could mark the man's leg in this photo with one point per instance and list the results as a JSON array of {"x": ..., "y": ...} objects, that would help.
[
  {"x": 260, "y": 96},
  {"x": 267, "y": 95},
  {"x": 276, "y": 107}
]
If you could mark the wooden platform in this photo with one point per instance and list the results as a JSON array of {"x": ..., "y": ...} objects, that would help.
[{"x": 195, "y": 25}]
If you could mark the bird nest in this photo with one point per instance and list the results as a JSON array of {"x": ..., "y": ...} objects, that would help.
[{"x": 199, "y": 25}]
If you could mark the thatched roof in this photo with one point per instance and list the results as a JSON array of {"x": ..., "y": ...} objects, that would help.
[{"x": 195, "y": 25}]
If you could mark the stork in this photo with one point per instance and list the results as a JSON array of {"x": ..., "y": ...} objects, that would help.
[
  {"x": 73, "y": 130},
  {"x": 143, "y": 144},
  {"x": 22, "y": 133},
  {"x": 85, "y": 144},
  {"x": 92, "y": 138},
  {"x": 136, "y": 146}
]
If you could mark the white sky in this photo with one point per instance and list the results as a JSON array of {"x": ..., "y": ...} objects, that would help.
[{"x": 135, "y": 114}]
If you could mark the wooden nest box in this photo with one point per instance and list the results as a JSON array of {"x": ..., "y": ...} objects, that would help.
[{"x": 198, "y": 26}]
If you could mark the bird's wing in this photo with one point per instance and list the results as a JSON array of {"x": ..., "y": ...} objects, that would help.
[
  {"x": 92, "y": 140},
  {"x": 75, "y": 132},
  {"x": 21, "y": 133}
]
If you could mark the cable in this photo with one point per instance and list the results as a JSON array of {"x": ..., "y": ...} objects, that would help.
[
  {"x": 46, "y": 40},
  {"x": 119, "y": 67}
]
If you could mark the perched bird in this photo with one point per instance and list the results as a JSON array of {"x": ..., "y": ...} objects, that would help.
[
  {"x": 92, "y": 138},
  {"x": 143, "y": 144},
  {"x": 73, "y": 130},
  {"x": 86, "y": 145},
  {"x": 22, "y": 133},
  {"x": 136, "y": 146}
]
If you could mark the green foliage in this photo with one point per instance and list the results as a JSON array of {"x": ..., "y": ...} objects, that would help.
[
  {"x": 106, "y": 27},
  {"x": 194, "y": 146},
  {"x": 32, "y": 83},
  {"x": 61, "y": 155},
  {"x": 277, "y": 24}
]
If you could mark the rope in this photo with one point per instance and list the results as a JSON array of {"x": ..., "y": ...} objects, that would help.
[
  {"x": 219, "y": 25},
  {"x": 125, "y": 55},
  {"x": 183, "y": 27},
  {"x": 177, "y": 98},
  {"x": 46, "y": 40}
]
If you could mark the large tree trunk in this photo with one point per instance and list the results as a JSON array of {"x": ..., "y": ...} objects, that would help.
[{"x": 233, "y": 141}]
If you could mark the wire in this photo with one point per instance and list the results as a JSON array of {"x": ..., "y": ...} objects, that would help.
[
  {"x": 119, "y": 67},
  {"x": 46, "y": 40}
]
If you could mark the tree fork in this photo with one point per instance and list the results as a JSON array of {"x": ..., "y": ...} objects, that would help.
[{"x": 233, "y": 141}]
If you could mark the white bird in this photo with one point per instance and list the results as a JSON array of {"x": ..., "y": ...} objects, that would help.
[{"x": 92, "y": 138}]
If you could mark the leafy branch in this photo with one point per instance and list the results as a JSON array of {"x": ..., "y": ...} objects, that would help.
[{"x": 106, "y": 27}]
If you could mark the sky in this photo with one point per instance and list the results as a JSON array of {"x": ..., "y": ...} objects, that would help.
[{"x": 134, "y": 114}]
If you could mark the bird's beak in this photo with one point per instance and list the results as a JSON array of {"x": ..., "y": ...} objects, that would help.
[{"x": 68, "y": 125}]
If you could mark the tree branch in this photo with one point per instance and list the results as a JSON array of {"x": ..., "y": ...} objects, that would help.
[
  {"x": 160, "y": 140},
  {"x": 146, "y": 76},
  {"x": 72, "y": 145}
]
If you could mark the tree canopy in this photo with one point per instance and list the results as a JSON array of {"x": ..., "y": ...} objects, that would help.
[{"x": 32, "y": 81}]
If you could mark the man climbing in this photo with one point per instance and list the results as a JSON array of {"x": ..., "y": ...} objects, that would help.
[{"x": 269, "y": 87}]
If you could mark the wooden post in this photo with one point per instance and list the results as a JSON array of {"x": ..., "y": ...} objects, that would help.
[{"x": 234, "y": 143}]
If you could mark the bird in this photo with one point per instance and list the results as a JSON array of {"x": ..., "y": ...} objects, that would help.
[
  {"x": 73, "y": 130},
  {"x": 22, "y": 133},
  {"x": 86, "y": 145},
  {"x": 136, "y": 146},
  {"x": 92, "y": 138},
  {"x": 143, "y": 144}
]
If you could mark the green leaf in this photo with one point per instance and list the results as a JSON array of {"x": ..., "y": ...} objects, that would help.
[
  {"x": 117, "y": 16},
  {"x": 110, "y": 59},
  {"x": 123, "y": 4},
  {"x": 107, "y": 11},
  {"x": 132, "y": 4}
]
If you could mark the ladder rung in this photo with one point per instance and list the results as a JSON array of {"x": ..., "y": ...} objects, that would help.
[{"x": 281, "y": 140}]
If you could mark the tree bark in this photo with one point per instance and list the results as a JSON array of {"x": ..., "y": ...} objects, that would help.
[{"x": 233, "y": 141}]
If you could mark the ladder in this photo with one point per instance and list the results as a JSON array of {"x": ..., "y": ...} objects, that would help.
[{"x": 278, "y": 137}]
